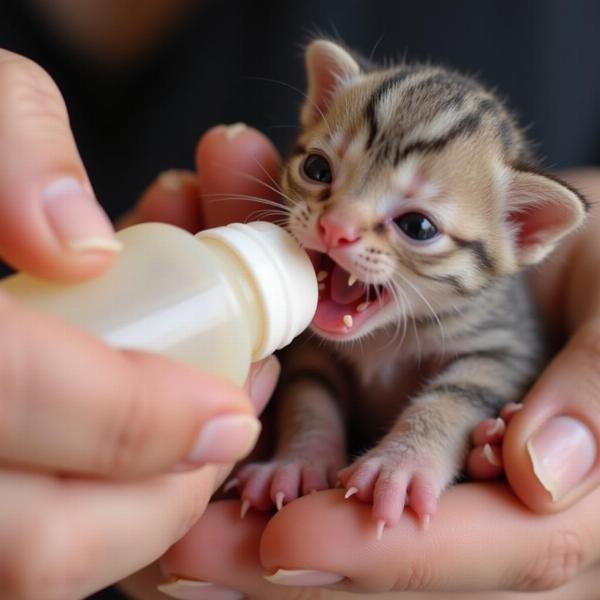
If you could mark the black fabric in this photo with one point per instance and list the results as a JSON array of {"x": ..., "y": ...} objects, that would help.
[
  {"x": 540, "y": 54},
  {"x": 239, "y": 60}
]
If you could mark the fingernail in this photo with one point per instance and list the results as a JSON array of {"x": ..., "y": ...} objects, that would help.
[
  {"x": 303, "y": 578},
  {"x": 188, "y": 589},
  {"x": 263, "y": 381},
  {"x": 234, "y": 130},
  {"x": 225, "y": 439},
  {"x": 562, "y": 452},
  {"x": 76, "y": 218},
  {"x": 170, "y": 180}
]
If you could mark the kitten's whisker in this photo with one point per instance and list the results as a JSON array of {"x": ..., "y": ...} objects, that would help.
[
  {"x": 271, "y": 178},
  {"x": 430, "y": 308},
  {"x": 299, "y": 91},
  {"x": 408, "y": 310},
  {"x": 222, "y": 197},
  {"x": 401, "y": 321},
  {"x": 276, "y": 190}
]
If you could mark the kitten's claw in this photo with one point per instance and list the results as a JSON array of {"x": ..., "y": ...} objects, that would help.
[
  {"x": 279, "y": 496},
  {"x": 385, "y": 479},
  {"x": 350, "y": 492},
  {"x": 245, "y": 508},
  {"x": 425, "y": 522},
  {"x": 380, "y": 529},
  {"x": 490, "y": 456},
  {"x": 231, "y": 484},
  {"x": 272, "y": 484},
  {"x": 498, "y": 428}
]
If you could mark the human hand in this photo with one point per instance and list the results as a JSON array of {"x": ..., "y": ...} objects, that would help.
[
  {"x": 96, "y": 444},
  {"x": 483, "y": 537}
]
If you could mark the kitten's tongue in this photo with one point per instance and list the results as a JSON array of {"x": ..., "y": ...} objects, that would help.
[{"x": 341, "y": 292}]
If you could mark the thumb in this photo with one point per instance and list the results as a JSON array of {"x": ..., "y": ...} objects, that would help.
[
  {"x": 551, "y": 446},
  {"x": 50, "y": 222}
]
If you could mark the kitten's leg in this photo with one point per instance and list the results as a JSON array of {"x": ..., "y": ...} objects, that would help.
[
  {"x": 426, "y": 448},
  {"x": 309, "y": 452}
]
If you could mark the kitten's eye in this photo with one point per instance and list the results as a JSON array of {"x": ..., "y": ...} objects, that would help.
[
  {"x": 416, "y": 226},
  {"x": 316, "y": 167}
]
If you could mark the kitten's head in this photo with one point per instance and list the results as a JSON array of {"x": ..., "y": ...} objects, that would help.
[{"x": 413, "y": 181}]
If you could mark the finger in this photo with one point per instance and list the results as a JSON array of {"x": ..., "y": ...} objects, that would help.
[
  {"x": 470, "y": 545},
  {"x": 69, "y": 402},
  {"x": 236, "y": 163},
  {"x": 323, "y": 540},
  {"x": 172, "y": 198},
  {"x": 234, "y": 541},
  {"x": 66, "y": 539},
  {"x": 262, "y": 382},
  {"x": 551, "y": 445},
  {"x": 50, "y": 222}
]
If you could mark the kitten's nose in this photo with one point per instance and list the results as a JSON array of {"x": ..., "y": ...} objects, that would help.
[{"x": 337, "y": 230}]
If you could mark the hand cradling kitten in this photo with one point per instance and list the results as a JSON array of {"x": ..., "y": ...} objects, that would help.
[{"x": 419, "y": 199}]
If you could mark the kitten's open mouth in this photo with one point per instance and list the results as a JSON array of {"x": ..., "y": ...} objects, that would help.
[{"x": 345, "y": 303}]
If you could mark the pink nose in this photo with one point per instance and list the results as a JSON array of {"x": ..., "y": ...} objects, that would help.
[{"x": 336, "y": 231}]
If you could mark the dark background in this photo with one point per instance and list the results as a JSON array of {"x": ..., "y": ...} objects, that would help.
[{"x": 541, "y": 55}]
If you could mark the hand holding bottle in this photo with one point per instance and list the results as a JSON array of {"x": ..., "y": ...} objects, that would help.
[{"x": 91, "y": 436}]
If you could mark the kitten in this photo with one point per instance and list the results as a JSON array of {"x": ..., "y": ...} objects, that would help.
[{"x": 418, "y": 195}]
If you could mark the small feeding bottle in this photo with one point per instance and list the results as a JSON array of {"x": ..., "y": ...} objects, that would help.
[{"x": 218, "y": 300}]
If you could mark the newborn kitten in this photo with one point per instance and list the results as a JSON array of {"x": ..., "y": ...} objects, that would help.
[{"x": 418, "y": 194}]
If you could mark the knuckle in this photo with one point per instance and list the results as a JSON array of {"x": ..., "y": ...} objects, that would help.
[
  {"x": 419, "y": 577},
  {"x": 29, "y": 91},
  {"x": 586, "y": 343},
  {"x": 555, "y": 565}
]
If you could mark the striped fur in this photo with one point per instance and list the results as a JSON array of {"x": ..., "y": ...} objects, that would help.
[{"x": 461, "y": 337}]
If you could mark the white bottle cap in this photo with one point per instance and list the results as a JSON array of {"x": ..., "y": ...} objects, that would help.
[{"x": 283, "y": 275}]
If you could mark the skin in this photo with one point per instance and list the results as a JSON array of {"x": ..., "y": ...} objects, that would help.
[
  {"x": 534, "y": 543},
  {"x": 317, "y": 532},
  {"x": 81, "y": 471}
]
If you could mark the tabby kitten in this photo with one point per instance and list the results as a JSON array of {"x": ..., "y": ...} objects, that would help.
[{"x": 418, "y": 196}]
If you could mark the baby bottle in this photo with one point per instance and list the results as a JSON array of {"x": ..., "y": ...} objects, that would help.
[{"x": 219, "y": 300}]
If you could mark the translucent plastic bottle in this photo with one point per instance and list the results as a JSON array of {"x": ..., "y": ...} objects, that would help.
[{"x": 218, "y": 300}]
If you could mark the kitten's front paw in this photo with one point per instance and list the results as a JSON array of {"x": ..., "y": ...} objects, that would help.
[
  {"x": 389, "y": 478},
  {"x": 279, "y": 481}
]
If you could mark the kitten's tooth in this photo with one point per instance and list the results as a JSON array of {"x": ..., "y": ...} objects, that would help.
[
  {"x": 362, "y": 306},
  {"x": 489, "y": 455},
  {"x": 279, "y": 496},
  {"x": 380, "y": 528},
  {"x": 350, "y": 492},
  {"x": 322, "y": 286},
  {"x": 348, "y": 320},
  {"x": 245, "y": 508},
  {"x": 352, "y": 279},
  {"x": 322, "y": 276}
]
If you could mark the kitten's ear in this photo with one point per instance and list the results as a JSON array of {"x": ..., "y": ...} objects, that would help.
[
  {"x": 327, "y": 65},
  {"x": 541, "y": 211}
]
